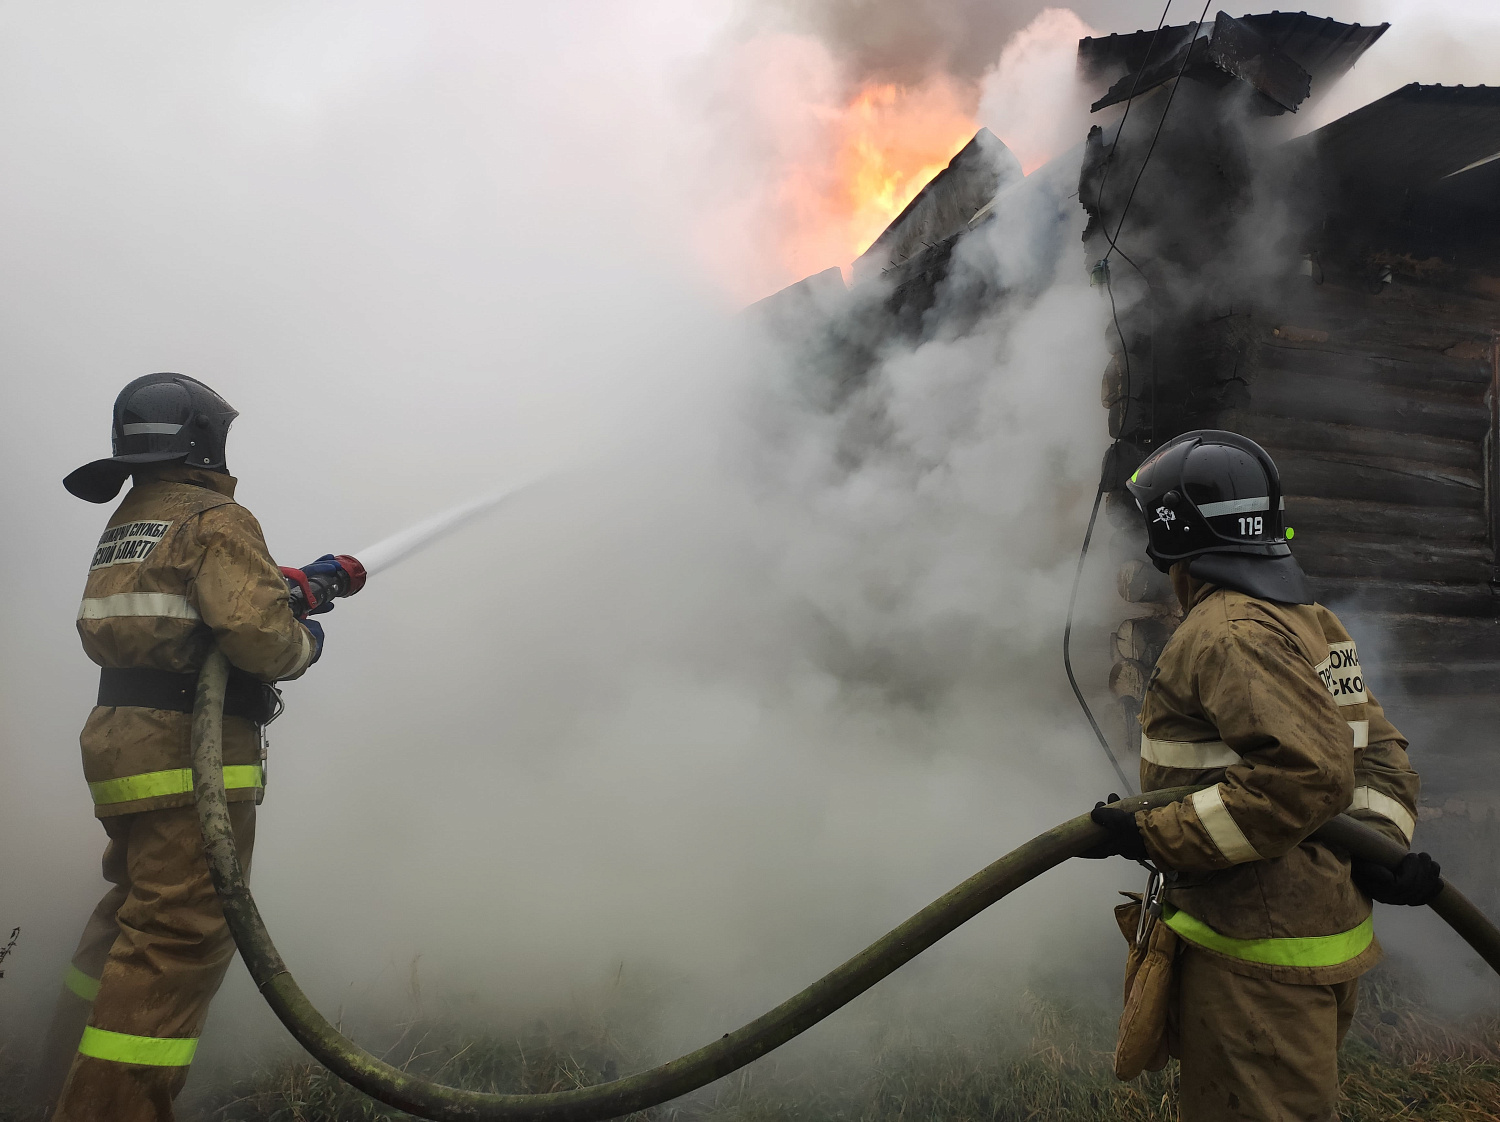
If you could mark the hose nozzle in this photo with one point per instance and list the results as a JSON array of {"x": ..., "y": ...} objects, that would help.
[{"x": 313, "y": 588}]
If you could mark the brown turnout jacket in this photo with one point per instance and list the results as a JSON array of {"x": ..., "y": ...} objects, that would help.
[
  {"x": 180, "y": 567},
  {"x": 1267, "y": 702}
]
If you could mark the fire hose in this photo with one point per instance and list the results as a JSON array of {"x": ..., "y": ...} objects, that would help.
[{"x": 732, "y": 1051}]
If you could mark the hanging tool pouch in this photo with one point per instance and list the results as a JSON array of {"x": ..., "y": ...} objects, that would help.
[{"x": 1150, "y": 983}]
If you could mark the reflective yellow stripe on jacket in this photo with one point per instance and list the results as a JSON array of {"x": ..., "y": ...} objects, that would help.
[
  {"x": 122, "y": 1048},
  {"x": 175, "y": 781},
  {"x": 80, "y": 983},
  {"x": 1316, "y": 950}
]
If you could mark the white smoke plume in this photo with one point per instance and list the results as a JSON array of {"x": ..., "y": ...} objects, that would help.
[
  {"x": 700, "y": 710},
  {"x": 1029, "y": 97},
  {"x": 730, "y": 703}
]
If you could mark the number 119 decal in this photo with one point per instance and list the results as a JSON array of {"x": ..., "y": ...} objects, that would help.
[{"x": 1251, "y": 527}]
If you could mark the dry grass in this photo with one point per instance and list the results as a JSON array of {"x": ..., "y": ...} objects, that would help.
[
  {"x": 1053, "y": 1062},
  {"x": 1048, "y": 1060}
]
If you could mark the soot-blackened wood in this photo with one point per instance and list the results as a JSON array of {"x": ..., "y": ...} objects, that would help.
[
  {"x": 1492, "y": 460},
  {"x": 1328, "y": 436},
  {"x": 1444, "y": 675},
  {"x": 1415, "y": 639},
  {"x": 1407, "y": 597},
  {"x": 915, "y": 289},
  {"x": 1336, "y": 475},
  {"x": 1397, "y": 521},
  {"x": 1408, "y": 322},
  {"x": 1463, "y": 378},
  {"x": 1366, "y": 555},
  {"x": 1313, "y": 397}
]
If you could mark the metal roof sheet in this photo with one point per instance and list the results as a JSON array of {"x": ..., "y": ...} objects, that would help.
[
  {"x": 1325, "y": 48},
  {"x": 1410, "y": 138}
]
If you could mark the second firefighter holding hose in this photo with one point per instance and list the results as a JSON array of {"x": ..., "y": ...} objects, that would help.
[{"x": 1246, "y": 960}]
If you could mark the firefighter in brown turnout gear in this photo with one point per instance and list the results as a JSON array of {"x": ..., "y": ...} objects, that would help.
[
  {"x": 1248, "y": 954},
  {"x": 180, "y": 567}
]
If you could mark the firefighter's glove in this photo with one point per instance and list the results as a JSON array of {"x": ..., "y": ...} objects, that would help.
[
  {"x": 1415, "y": 880},
  {"x": 317, "y": 633},
  {"x": 1124, "y": 836},
  {"x": 326, "y": 566}
]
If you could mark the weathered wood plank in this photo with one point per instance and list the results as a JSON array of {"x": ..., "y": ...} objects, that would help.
[
  {"x": 1327, "y": 436},
  {"x": 1409, "y": 559},
  {"x": 1417, "y": 316},
  {"x": 1445, "y": 676},
  {"x": 1350, "y": 401},
  {"x": 1351, "y": 594},
  {"x": 1413, "y": 640},
  {"x": 1446, "y": 376},
  {"x": 1454, "y": 525},
  {"x": 1343, "y": 475}
]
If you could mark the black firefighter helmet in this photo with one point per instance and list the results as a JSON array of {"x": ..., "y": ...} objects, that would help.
[
  {"x": 158, "y": 418},
  {"x": 1214, "y": 498}
]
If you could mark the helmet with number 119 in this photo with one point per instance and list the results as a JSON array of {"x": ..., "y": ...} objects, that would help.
[{"x": 1213, "y": 498}]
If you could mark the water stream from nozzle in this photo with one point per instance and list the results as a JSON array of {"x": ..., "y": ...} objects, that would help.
[{"x": 402, "y": 544}]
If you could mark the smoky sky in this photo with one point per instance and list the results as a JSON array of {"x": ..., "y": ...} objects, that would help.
[{"x": 899, "y": 41}]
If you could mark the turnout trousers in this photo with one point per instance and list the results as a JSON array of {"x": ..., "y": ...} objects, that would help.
[
  {"x": 151, "y": 958},
  {"x": 1257, "y": 1050}
]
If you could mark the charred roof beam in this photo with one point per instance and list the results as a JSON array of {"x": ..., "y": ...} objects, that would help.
[{"x": 1231, "y": 49}]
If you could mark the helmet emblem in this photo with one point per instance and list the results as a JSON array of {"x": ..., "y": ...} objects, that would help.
[{"x": 1165, "y": 517}]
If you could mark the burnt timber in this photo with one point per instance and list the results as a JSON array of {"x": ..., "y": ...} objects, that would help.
[
  {"x": 1359, "y": 341},
  {"x": 1334, "y": 295}
]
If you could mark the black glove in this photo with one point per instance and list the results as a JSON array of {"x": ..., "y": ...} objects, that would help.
[
  {"x": 1415, "y": 880},
  {"x": 1124, "y": 838}
]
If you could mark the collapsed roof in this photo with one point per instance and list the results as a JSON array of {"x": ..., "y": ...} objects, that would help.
[{"x": 1280, "y": 54}]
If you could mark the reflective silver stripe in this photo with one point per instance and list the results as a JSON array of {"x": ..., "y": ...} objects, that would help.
[
  {"x": 1221, "y": 826},
  {"x": 168, "y": 605},
  {"x": 152, "y": 428},
  {"x": 1235, "y": 506},
  {"x": 1196, "y": 754},
  {"x": 1361, "y": 733},
  {"x": 1377, "y": 802}
]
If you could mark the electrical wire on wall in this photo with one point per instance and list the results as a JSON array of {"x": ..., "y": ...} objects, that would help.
[{"x": 1102, "y": 271}]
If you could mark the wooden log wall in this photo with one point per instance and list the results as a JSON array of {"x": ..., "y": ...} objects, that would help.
[{"x": 1379, "y": 407}]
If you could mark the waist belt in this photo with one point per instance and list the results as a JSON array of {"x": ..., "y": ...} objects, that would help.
[{"x": 245, "y": 696}]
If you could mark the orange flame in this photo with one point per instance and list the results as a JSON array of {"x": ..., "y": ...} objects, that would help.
[
  {"x": 885, "y": 145},
  {"x": 895, "y": 140}
]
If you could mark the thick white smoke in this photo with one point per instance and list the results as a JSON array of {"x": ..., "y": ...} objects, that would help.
[
  {"x": 701, "y": 708},
  {"x": 1029, "y": 96},
  {"x": 749, "y": 687}
]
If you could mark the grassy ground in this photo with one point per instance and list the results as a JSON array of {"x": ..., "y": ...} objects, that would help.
[
  {"x": 1052, "y": 1062},
  {"x": 1049, "y": 1060}
]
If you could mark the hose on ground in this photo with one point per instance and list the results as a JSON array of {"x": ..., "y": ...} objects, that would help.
[{"x": 734, "y": 1050}]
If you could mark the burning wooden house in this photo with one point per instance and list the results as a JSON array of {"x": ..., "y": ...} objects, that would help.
[{"x": 1333, "y": 295}]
